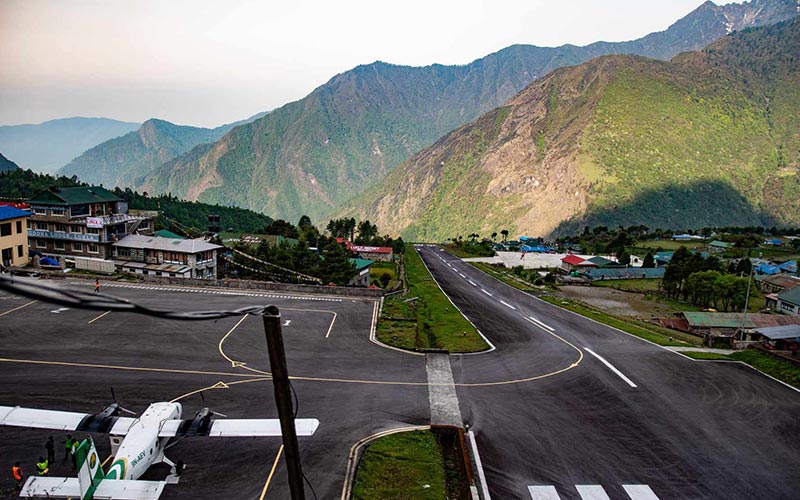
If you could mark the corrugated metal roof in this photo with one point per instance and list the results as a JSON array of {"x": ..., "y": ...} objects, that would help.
[
  {"x": 7, "y": 213},
  {"x": 166, "y": 244},
  {"x": 74, "y": 196},
  {"x": 780, "y": 332},
  {"x": 572, "y": 260},
  {"x": 738, "y": 320},
  {"x": 783, "y": 280},
  {"x": 628, "y": 273},
  {"x": 792, "y": 296}
]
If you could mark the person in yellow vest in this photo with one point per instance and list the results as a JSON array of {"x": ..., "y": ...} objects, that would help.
[
  {"x": 18, "y": 475},
  {"x": 42, "y": 467}
]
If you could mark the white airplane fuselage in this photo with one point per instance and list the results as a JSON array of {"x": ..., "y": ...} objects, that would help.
[{"x": 142, "y": 447}]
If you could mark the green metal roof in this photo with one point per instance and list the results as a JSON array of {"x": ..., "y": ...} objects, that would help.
[
  {"x": 362, "y": 263},
  {"x": 792, "y": 296},
  {"x": 74, "y": 196},
  {"x": 737, "y": 320},
  {"x": 163, "y": 233},
  {"x": 720, "y": 244}
]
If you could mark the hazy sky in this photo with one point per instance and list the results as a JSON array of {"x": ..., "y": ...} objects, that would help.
[{"x": 207, "y": 62}]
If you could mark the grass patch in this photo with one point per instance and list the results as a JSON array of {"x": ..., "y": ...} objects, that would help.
[
  {"x": 435, "y": 321},
  {"x": 668, "y": 245},
  {"x": 778, "y": 368},
  {"x": 399, "y": 467},
  {"x": 706, "y": 355},
  {"x": 653, "y": 333}
]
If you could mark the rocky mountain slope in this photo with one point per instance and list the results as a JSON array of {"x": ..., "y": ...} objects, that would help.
[
  {"x": 124, "y": 160},
  {"x": 709, "y": 138},
  {"x": 48, "y": 146},
  {"x": 6, "y": 164},
  {"x": 311, "y": 156}
]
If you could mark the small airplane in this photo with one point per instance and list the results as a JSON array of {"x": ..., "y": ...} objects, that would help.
[{"x": 143, "y": 442}]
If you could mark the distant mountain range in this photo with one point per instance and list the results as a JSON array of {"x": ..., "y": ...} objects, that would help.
[
  {"x": 311, "y": 156},
  {"x": 48, "y": 146},
  {"x": 708, "y": 139},
  {"x": 6, "y": 164}
]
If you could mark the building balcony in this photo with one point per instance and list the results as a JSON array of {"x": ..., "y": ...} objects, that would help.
[{"x": 57, "y": 235}]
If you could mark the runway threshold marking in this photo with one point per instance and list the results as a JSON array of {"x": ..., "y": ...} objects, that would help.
[
  {"x": 639, "y": 492},
  {"x": 98, "y": 317},
  {"x": 610, "y": 367},
  {"x": 543, "y": 493},
  {"x": 18, "y": 308},
  {"x": 271, "y": 473}
]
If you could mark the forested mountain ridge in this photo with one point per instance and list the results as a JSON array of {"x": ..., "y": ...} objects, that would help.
[
  {"x": 312, "y": 155},
  {"x": 122, "y": 161},
  {"x": 48, "y": 146},
  {"x": 6, "y": 164},
  {"x": 707, "y": 139}
]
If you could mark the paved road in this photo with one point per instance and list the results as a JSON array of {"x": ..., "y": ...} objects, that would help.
[{"x": 677, "y": 428}]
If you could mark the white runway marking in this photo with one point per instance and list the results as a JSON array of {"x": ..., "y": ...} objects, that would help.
[
  {"x": 639, "y": 492},
  {"x": 508, "y": 305},
  {"x": 591, "y": 492},
  {"x": 613, "y": 369},
  {"x": 472, "y": 283},
  {"x": 543, "y": 325},
  {"x": 543, "y": 492}
]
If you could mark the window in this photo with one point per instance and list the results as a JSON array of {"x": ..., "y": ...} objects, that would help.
[
  {"x": 93, "y": 248},
  {"x": 19, "y": 250},
  {"x": 41, "y": 243},
  {"x": 93, "y": 230},
  {"x": 61, "y": 228},
  {"x": 77, "y": 247},
  {"x": 5, "y": 229},
  {"x": 59, "y": 245},
  {"x": 19, "y": 226},
  {"x": 40, "y": 210},
  {"x": 75, "y": 229},
  {"x": 41, "y": 226},
  {"x": 58, "y": 211}
]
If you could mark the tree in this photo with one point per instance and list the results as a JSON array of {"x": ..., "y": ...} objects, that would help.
[
  {"x": 399, "y": 245},
  {"x": 744, "y": 267},
  {"x": 649, "y": 261},
  {"x": 504, "y": 232},
  {"x": 336, "y": 266},
  {"x": 494, "y": 236},
  {"x": 624, "y": 257}
]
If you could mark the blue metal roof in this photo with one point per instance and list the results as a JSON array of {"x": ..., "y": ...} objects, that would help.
[
  {"x": 790, "y": 266},
  {"x": 767, "y": 269},
  {"x": 625, "y": 274},
  {"x": 7, "y": 213}
]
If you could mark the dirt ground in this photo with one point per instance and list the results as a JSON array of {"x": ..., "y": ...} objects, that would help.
[{"x": 617, "y": 302}]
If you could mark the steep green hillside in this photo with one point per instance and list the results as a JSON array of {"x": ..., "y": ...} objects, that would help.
[
  {"x": 313, "y": 155},
  {"x": 707, "y": 139},
  {"x": 6, "y": 164},
  {"x": 48, "y": 146},
  {"x": 124, "y": 160}
]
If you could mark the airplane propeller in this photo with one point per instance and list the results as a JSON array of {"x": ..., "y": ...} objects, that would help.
[{"x": 118, "y": 406}]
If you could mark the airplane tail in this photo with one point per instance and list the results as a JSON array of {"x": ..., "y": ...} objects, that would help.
[{"x": 90, "y": 474}]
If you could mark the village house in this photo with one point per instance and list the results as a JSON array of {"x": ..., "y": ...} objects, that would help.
[
  {"x": 13, "y": 236},
  {"x": 81, "y": 221},
  {"x": 167, "y": 257}
]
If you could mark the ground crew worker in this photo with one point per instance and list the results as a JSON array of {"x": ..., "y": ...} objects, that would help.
[
  {"x": 51, "y": 450},
  {"x": 42, "y": 467},
  {"x": 18, "y": 475},
  {"x": 67, "y": 446},
  {"x": 96, "y": 286}
]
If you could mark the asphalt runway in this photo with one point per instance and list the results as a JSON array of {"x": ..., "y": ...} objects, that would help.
[
  {"x": 550, "y": 417},
  {"x": 682, "y": 428},
  {"x": 69, "y": 359}
]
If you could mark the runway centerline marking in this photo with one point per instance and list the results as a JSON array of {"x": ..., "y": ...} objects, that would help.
[
  {"x": 472, "y": 283},
  {"x": 487, "y": 293},
  {"x": 543, "y": 325},
  {"x": 18, "y": 308},
  {"x": 610, "y": 367},
  {"x": 98, "y": 317},
  {"x": 508, "y": 305}
]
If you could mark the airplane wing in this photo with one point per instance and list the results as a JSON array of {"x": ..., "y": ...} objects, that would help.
[
  {"x": 63, "y": 420},
  {"x": 69, "y": 487},
  {"x": 236, "y": 428}
]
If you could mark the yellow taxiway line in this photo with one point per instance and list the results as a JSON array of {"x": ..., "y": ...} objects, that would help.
[
  {"x": 271, "y": 473},
  {"x": 18, "y": 308},
  {"x": 98, "y": 317}
]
